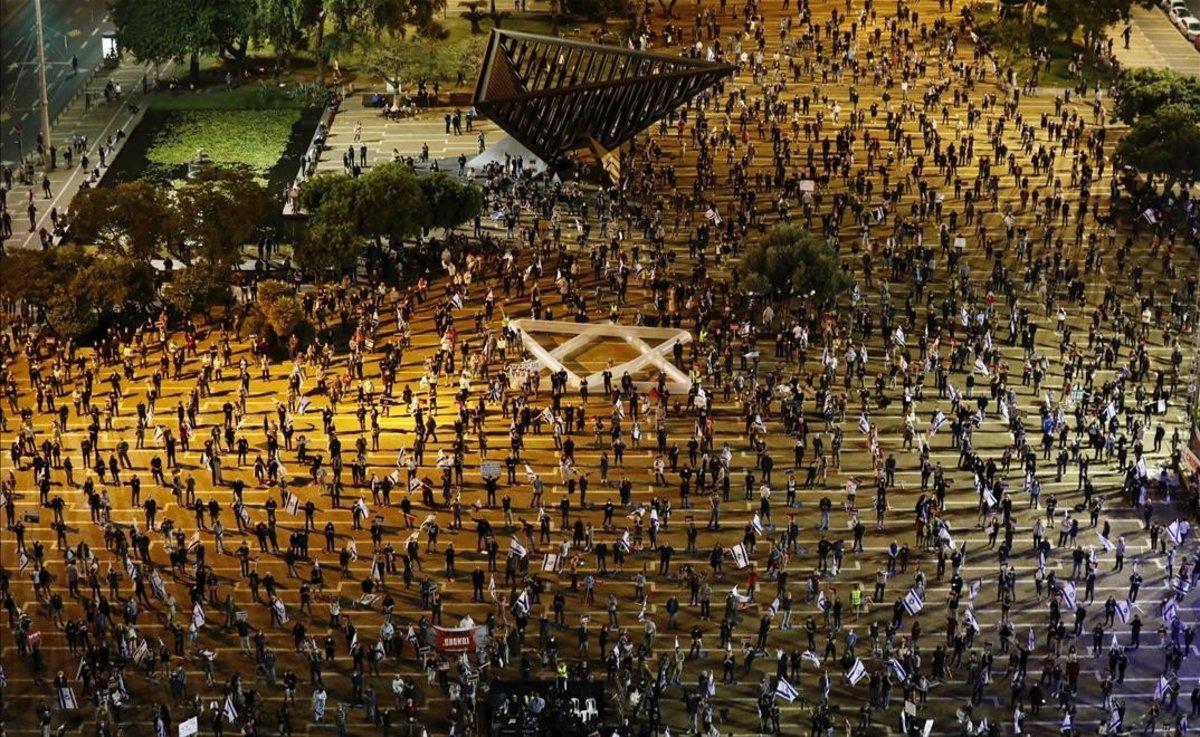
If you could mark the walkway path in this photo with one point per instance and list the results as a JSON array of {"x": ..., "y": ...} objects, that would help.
[
  {"x": 95, "y": 120},
  {"x": 1155, "y": 42}
]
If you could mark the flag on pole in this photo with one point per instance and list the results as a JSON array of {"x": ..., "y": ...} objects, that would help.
[
  {"x": 811, "y": 657},
  {"x": 786, "y": 691},
  {"x": 756, "y": 524},
  {"x": 857, "y": 672},
  {"x": 1174, "y": 531},
  {"x": 1123, "y": 611},
  {"x": 1106, "y": 543},
  {"x": 864, "y": 424},
  {"x": 1068, "y": 592},
  {"x": 293, "y": 504},
  {"x": 976, "y": 587},
  {"x": 516, "y": 547},
  {"x": 1169, "y": 611},
  {"x": 303, "y": 405},
  {"x": 740, "y": 559},
  {"x": 913, "y": 603},
  {"x": 1161, "y": 688},
  {"x": 970, "y": 617},
  {"x": 198, "y": 616},
  {"x": 901, "y": 674},
  {"x": 492, "y": 586},
  {"x": 939, "y": 419},
  {"x": 229, "y": 712}
]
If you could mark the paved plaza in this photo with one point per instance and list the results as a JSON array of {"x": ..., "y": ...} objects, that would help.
[{"x": 926, "y": 480}]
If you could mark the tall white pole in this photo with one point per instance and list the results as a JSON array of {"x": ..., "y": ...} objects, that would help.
[{"x": 41, "y": 42}]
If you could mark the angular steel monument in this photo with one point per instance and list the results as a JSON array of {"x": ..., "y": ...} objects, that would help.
[{"x": 554, "y": 96}]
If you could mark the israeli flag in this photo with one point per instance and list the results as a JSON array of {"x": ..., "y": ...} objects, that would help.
[
  {"x": 1106, "y": 543},
  {"x": 293, "y": 504},
  {"x": 1161, "y": 689},
  {"x": 624, "y": 542},
  {"x": 198, "y": 616},
  {"x": 522, "y": 602},
  {"x": 939, "y": 419},
  {"x": 1123, "y": 610},
  {"x": 898, "y": 669},
  {"x": 981, "y": 367},
  {"x": 913, "y": 603},
  {"x": 517, "y": 547},
  {"x": 1068, "y": 593},
  {"x": 811, "y": 657},
  {"x": 989, "y": 498},
  {"x": 970, "y": 617},
  {"x": 976, "y": 587},
  {"x": 756, "y": 524},
  {"x": 774, "y": 606},
  {"x": 786, "y": 691},
  {"x": 303, "y": 405},
  {"x": 1066, "y": 722},
  {"x": 740, "y": 559},
  {"x": 229, "y": 712},
  {"x": 1175, "y": 532},
  {"x": 857, "y": 672},
  {"x": 864, "y": 423}
]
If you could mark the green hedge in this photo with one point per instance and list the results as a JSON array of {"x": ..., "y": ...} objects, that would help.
[{"x": 254, "y": 138}]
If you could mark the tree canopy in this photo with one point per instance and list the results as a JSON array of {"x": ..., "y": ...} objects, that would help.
[
  {"x": 1144, "y": 90},
  {"x": 388, "y": 202},
  {"x": 77, "y": 289},
  {"x": 1165, "y": 143},
  {"x": 790, "y": 262},
  {"x": 136, "y": 220}
]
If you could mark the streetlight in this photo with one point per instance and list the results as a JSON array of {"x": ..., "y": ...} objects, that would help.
[{"x": 41, "y": 42}]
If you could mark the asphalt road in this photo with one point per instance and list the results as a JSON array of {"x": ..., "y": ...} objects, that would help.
[{"x": 72, "y": 28}]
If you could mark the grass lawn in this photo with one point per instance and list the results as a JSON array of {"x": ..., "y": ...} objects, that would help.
[{"x": 253, "y": 138}]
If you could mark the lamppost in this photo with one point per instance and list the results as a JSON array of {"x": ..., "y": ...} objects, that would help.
[{"x": 41, "y": 42}]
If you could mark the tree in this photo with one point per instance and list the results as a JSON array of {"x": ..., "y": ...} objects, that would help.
[
  {"x": 163, "y": 30},
  {"x": 1165, "y": 143},
  {"x": 1145, "y": 89},
  {"x": 195, "y": 290},
  {"x": 789, "y": 261},
  {"x": 284, "y": 316},
  {"x": 474, "y": 15},
  {"x": 133, "y": 219},
  {"x": 413, "y": 59},
  {"x": 219, "y": 211},
  {"x": 77, "y": 289},
  {"x": 390, "y": 202},
  {"x": 448, "y": 201}
]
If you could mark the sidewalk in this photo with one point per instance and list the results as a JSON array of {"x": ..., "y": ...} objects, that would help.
[
  {"x": 1155, "y": 42},
  {"x": 96, "y": 123}
]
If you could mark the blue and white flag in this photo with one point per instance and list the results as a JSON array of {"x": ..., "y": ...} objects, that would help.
[
  {"x": 898, "y": 669},
  {"x": 1106, "y": 543},
  {"x": 1068, "y": 593},
  {"x": 229, "y": 712},
  {"x": 811, "y": 657},
  {"x": 913, "y": 603},
  {"x": 756, "y": 524},
  {"x": 1123, "y": 611},
  {"x": 786, "y": 691},
  {"x": 517, "y": 547},
  {"x": 857, "y": 672},
  {"x": 864, "y": 423}
]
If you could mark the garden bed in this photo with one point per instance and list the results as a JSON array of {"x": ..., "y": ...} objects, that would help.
[{"x": 270, "y": 142}]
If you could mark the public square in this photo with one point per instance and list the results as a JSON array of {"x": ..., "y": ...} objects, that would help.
[{"x": 858, "y": 398}]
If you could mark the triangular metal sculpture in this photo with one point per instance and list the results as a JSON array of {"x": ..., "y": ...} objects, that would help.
[{"x": 554, "y": 96}]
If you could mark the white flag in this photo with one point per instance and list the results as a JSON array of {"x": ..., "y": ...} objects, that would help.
[
  {"x": 198, "y": 616},
  {"x": 1106, "y": 543}
]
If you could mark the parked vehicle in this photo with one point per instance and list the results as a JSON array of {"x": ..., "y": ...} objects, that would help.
[{"x": 1191, "y": 28}]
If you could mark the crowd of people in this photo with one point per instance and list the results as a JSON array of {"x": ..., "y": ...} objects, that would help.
[{"x": 163, "y": 486}]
